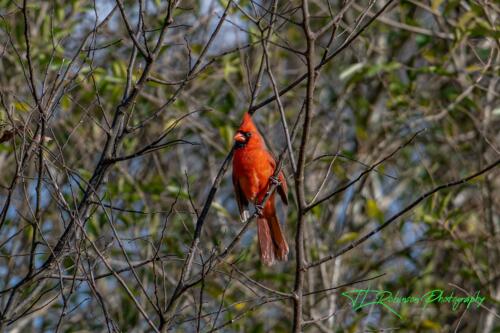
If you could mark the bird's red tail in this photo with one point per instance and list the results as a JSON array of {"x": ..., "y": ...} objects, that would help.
[{"x": 272, "y": 242}]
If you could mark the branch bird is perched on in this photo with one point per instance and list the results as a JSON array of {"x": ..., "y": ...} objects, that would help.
[{"x": 253, "y": 166}]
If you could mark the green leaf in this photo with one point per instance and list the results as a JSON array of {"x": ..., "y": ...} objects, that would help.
[
  {"x": 21, "y": 106},
  {"x": 373, "y": 210},
  {"x": 349, "y": 71},
  {"x": 347, "y": 237},
  {"x": 426, "y": 323},
  {"x": 435, "y": 4}
]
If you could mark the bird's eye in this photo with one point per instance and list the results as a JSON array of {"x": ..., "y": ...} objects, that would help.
[{"x": 248, "y": 134}]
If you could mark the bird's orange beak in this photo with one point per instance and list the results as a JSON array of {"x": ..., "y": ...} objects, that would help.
[{"x": 239, "y": 137}]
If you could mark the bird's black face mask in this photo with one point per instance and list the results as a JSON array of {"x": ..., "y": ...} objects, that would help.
[{"x": 241, "y": 139}]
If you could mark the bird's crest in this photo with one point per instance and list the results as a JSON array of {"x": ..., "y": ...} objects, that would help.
[{"x": 247, "y": 125}]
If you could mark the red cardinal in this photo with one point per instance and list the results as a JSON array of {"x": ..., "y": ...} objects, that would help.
[{"x": 253, "y": 165}]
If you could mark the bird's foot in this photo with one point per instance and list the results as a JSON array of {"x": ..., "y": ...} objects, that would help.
[
  {"x": 274, "y": 180},
  {"x": 258, "y": 209}
]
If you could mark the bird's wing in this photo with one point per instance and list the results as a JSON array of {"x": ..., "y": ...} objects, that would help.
[
  {"x": 282, "y": 188},
  {"x": 240, "y": 198}
]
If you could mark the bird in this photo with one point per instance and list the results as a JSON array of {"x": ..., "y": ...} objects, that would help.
[{"x": 253, "y": 168}]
